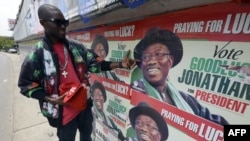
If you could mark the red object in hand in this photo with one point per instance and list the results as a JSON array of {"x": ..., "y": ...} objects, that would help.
[{"x": 76, "y": 95}]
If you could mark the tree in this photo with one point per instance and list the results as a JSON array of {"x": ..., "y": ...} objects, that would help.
[{"x": 6, "y": 42}]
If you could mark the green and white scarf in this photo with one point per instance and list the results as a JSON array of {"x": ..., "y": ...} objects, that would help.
[{"x": 173, "y": 93}]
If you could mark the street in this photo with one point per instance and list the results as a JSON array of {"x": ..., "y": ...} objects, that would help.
[
  {"x": 6, "y": 99},
  {"x": 21, "y": 119}
]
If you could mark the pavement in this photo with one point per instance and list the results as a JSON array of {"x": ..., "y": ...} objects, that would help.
[{"x": 28, "y": 122}]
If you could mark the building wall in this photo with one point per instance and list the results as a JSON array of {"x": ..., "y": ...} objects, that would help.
[{"x": 213, "y": 42}]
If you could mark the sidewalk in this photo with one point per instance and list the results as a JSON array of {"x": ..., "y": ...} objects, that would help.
[{"x": 28, "y": 123}]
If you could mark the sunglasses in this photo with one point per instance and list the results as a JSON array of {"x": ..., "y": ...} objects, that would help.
[
  {"x": 158, "y": 55},
  {"x": 58, "y": 22}
]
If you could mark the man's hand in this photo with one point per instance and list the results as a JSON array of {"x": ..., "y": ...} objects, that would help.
[
  {"x": 127, "y": 62},
  {"x": 239, "y": 69},
  {"x": 57, "y": 100}
]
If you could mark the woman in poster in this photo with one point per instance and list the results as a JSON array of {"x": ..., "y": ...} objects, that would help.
[
  {"x": 101, "y": 48},
  {"x": 158, "y": 52},
  {"x": 99, "y": 97}
]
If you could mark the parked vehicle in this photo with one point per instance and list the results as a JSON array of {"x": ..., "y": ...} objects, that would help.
[{"x": 12, "y": 50}]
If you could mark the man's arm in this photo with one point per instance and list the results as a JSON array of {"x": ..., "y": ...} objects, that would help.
[
  {"x": 125, "y": 63},
  {"x": 58, "y": 100},
  {"x": 203, "y": 111}
]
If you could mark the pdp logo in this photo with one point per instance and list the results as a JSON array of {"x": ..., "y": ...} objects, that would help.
[{"x": 241, "y": 132}]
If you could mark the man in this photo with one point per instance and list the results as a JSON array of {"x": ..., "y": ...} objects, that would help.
[
  {"x": 69, "y": 62},
  {"x": 101, "y": 48},
  {"x": 99, "y": 97},
  {"x": 148, "y": 124},
  {"x": 156, "y": 54}
]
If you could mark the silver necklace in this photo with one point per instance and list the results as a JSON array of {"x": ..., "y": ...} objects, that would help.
[{"x": 63, "y": 67}]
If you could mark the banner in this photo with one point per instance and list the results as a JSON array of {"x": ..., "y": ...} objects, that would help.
[
  {"x": 134, "y": 3},
  {"x": 193, "y": 71},
  {"x": 11, "y": 23},
  {"x": 93, "y": 8}
]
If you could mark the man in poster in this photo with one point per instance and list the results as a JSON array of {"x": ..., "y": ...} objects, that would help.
[
  {"x": 156, "y": 54},
  {"x": 148, "y": 124}
]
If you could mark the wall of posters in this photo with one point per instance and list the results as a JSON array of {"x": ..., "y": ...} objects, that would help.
[{"x": 193, "y": 71}]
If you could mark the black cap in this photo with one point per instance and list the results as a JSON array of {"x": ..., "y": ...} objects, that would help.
[{"x": 166, "y": 37}]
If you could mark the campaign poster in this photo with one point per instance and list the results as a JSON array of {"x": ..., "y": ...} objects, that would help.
[
  {"x": 111, "y": 102},
  {"x": 198, "y": 79}
]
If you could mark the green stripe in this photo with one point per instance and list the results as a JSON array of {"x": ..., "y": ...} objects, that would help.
[
  {"x": 32, "y": 91},
  {"x": 45, "y": 113}
]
